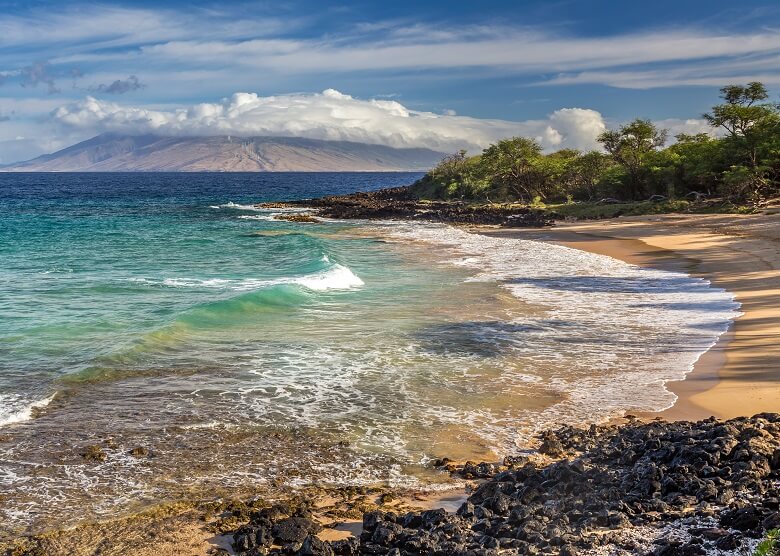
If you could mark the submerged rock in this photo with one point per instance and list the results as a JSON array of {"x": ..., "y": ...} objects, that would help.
[
  {"x": 306, "y": 218},
  {"x": 139, "y": 452},
  {"x": 94, "y": 453}
]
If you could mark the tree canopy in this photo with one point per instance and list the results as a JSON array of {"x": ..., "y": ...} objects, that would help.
[{"x": 739, "y": 160}]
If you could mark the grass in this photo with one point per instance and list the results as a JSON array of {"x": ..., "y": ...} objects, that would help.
[{"x": 593, "y": 211}]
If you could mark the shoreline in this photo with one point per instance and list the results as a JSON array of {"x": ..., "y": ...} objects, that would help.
[
  {"x": 740, "y": 374},
  {"x": 644, "y": 241}
]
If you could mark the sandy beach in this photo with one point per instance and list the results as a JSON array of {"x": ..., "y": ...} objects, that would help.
[
  {"x": 740, "y": 253},
  {"x": 739, "y": 376}
]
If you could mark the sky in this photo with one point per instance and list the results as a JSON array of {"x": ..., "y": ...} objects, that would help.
[{"x": 443, "y": 75}]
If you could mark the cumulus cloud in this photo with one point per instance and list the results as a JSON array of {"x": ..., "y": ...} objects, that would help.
[
  {"x": 691, "y": 126},
  {"x": 119, "y": 87},
  {"x": 331, "y": 115}
]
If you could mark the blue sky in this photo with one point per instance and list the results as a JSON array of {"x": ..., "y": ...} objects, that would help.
[{"x": 440, "y": 73}]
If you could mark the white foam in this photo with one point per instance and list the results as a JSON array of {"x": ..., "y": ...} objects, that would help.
[
  {"x": 266, "y": 217},
  {"x": 256, "y": 208},
  {"x": 232, "y": 205},
  {"x": 335, "y": 277},
  {"x": 621, "y": 331},
  {"x": 15, "y": 409}
]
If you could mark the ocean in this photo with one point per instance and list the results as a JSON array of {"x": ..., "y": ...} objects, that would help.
[{"x": 243, "y": 352}]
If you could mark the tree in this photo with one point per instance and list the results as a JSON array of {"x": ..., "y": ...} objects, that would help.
[
  {"x": 450, "y": 168},
  {"x": 741, "y": 163},
  {"x": 630, "y": 146},
  {"x": 699, "y": 162},
  {"x": 586, "y": 172},
  {"x": 752, "y": 142},
  {"x": 556, "y": 171},
  {"x": 747, "y": 120},
  {"x": 453, "y": 177},
  {"x": 513, "y": 164}
]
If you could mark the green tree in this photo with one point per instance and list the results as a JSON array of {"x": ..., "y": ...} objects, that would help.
[
  {"x": 699, "y": 162},
  {"x": 744, "y": 164},
  {"x": 451, "y": 168},
  {"x": 744, "y": 116},
  {"x": 557, "y": 173},
  {"x": 630, "y": 146},
  {"x": 586, "y": 173},
  {"x": 454, "y": 177},
  {"x": 514, "y": 165},
  {"x": 752, "y": 124}
]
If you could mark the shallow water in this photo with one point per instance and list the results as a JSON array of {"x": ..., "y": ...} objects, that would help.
[{"x": 164, "y": 311}]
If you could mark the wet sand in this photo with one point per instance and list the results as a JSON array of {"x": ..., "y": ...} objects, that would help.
[{"x": 740, "y": 253}]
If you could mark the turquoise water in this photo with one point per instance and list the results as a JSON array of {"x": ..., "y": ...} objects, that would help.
[
  {"x": 246, "y": 352},
  {"x": 121, "y": 271}
]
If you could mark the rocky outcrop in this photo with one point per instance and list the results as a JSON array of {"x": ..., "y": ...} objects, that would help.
[
  {"x": 398, "y": 203},
  {"x": 655, "y": 488}
]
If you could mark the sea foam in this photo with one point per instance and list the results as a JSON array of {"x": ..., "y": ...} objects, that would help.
[
  {"x": 256, "y": 208},
  {"x": 335, "y": 277},
  {"x": 338, "y": 277},
  {"x": 232, "y": 205},
  {"x": 621, "y": 330},
  {"x": 16, "y": 409}
]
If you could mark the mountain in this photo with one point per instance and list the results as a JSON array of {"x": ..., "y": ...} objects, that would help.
[{"x": 111, "y": 152}]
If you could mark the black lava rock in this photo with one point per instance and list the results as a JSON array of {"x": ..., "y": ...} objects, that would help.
[{"x": 636, "y": 474}]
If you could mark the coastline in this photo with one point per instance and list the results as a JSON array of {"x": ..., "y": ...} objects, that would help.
[
  {"x": 671, "y": 242},
  {"x": 740, "y": 374},
  {"x": 660, "y": 242}
]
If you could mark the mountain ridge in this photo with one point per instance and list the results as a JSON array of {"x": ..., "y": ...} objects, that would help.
[{"x": 111, "y": 152}]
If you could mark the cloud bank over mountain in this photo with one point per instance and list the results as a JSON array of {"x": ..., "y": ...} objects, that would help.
[
  {"x": 513, "y": 71},
  {"x": 331, "y": 115}
]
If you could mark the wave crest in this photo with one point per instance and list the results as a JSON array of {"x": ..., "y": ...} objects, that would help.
[
  {"x": 336, "y": 277},
  {"x": 17, "y": 410}
]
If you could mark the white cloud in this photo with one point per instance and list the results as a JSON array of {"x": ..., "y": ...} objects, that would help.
[
  {"x": 331, "y": 115},
  {"x": 520, "y": 51},
  {"x": 159, "y": 44},
  {"x": 652, "y": 79},
  {"x": 691, "y": 126},
  {"x": 113, "y": 26},
  {"x": 577, "y": 127}
]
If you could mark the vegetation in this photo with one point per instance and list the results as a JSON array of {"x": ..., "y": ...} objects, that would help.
[
  {"x": 739, "y": 162},
  {"x": 770, "y": 545}
]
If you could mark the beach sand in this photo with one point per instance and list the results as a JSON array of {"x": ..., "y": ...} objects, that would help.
[{"x": 740, "y": 253}]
